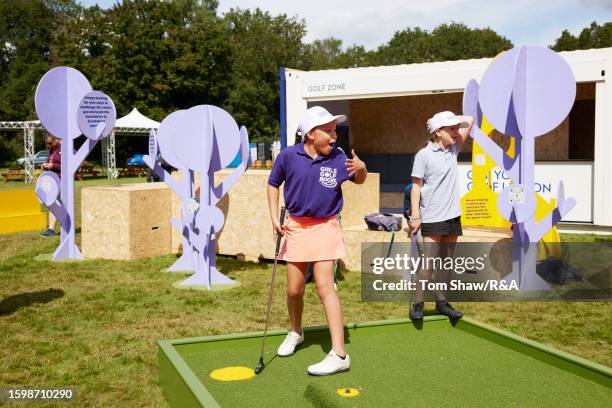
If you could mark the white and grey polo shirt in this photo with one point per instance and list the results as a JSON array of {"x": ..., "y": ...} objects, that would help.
[{"x": 437, "y": 167}]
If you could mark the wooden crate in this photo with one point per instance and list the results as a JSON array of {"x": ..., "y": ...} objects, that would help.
[{"x": 126, "y": 222}]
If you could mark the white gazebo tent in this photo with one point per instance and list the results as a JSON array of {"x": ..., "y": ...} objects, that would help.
[
  {"x": 133, "y": 123},
  {"x": 28, "y": 128}
]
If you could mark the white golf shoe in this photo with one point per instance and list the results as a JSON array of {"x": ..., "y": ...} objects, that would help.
[
  {"x": 288, "y": 346},
  {"x": 331, "y": 364}
]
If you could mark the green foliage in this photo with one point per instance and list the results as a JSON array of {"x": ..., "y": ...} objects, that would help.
[
  {"x": 594, "y": 36},
  {"x": 329, "y": 54},
  {"x": 260, "y": 44},
  {"x": 405, "y": 47},
  {"x": 26, "y": 28},
  {"x": 161, "y": 56},
  {"x": 10, "y": 148},
  {"x": 447, "y": 42}
]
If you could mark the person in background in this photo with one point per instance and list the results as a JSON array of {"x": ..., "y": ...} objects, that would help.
[{"x": 54, "y": 164}]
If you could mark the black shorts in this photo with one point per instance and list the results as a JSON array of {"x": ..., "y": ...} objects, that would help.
[{"x": 448, "y": 227}]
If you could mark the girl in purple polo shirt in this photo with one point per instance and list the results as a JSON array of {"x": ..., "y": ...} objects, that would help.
[{"x": 313, "y": 172}]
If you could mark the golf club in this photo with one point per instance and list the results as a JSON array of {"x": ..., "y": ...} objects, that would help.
[
  {"x": 413, "y": 254},
  {"x": 261, "y": 364}
]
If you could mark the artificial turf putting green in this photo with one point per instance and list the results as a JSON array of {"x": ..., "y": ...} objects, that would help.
[{"x": 392, "y": 364}]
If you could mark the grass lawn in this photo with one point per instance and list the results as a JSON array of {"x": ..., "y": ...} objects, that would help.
[{"x": 93, "y": 325}]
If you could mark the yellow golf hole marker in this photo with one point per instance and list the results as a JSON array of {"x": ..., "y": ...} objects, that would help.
[
  {"x": 232, "y": 374},
  {"x": 347, "y": 392}
]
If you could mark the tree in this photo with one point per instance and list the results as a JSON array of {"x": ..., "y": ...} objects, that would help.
[
  {"x": 260, "y": 45},
  {"x": 456, "y": 41},
  {"x": 328, "y": 54},
  {"x": 594, "y": 36},
  {"x": 162, "y": 56},
  {"x": 447, "y": 42},
  {"x": 566, "y": 42},
  {"x": 405, "y": 47},
  {"x": 26, "y": 28}
]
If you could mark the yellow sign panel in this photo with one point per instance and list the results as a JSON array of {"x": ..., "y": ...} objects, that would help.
[
  {"x": 20, "y": 210},
  {"x": 479, "y": 205}
]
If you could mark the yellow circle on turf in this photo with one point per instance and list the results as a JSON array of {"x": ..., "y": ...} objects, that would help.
[
  {"x": 348, "y": 392},
  {"x": 232, "y": 374}
]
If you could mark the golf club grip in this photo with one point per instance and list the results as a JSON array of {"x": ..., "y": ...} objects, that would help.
[{"x": 279, "y": 236}]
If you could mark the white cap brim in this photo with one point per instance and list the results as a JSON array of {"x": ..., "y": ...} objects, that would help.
[
  {"x": 337, "y": 118},
  {"x": 451, "y": 123}
]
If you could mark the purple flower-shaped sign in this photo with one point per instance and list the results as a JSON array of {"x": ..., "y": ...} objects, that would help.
[
  {"x": 525, "y": 93},
  {"x": 67, "y": 107},
  {"x": 202, "y": 139}
]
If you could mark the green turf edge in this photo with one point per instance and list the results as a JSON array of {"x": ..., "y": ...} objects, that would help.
[
  {"x": 584, "y": 368},
  {"x": 197, "y": 344},
  {"x": 179, "y": 384}
]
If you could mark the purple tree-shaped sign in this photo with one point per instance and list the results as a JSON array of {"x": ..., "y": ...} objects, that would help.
[
  {"x": 203, "y": 139},
  {"x": 67, "y": 107},
  {"x": 161, "y": 141},
  {"x": 525, "y": 93}
]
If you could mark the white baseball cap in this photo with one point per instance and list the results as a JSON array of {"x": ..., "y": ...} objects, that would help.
[
  {"x": 445, "y": 118},
  {"x": 317, "y": 116}
]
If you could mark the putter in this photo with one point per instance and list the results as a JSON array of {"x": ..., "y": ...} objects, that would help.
[
  {"x": 413, "y": 254},
  {"x": 261, "y": 364}
]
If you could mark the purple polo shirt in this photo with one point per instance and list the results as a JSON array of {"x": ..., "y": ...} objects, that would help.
[{"x": 312, "y": 186}]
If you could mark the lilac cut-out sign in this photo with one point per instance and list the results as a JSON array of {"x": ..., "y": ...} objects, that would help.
[
  {"x": 200, "y": 140},
  {"x": 96, "y": 115},
  {"x": 67, "y": 107},
  {"x": 57, "y": 99},
  {"x": 525, "y": 93},
  {"x": 160, "y": 141}
]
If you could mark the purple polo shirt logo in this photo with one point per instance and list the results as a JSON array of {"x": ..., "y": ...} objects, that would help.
[{"x": 327, "y": 177}]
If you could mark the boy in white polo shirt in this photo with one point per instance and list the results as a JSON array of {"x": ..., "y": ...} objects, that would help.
[{"x": 436, "y": 209}]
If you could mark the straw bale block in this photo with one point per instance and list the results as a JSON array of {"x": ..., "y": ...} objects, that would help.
[
  {"x": 126, "y": 222},
  {"x": 360, "y": 200},
  {"x": 355, "y": 235},
  {"x": 247, "y": 232}
]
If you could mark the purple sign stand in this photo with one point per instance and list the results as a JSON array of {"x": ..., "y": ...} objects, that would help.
[
  {"x": 161, "y": 141},
  {"x": 203, "y": 139},
  {"x": 524, "y": 93},
  {"x": 67, "y": 107}
]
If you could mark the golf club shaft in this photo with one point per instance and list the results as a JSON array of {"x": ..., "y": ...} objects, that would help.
[
  {"x": 276, "y": 252},
  {"x": 413, "y": 254}
]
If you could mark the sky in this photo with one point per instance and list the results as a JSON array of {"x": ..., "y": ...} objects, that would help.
[{"x": 373, "y": 23}]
